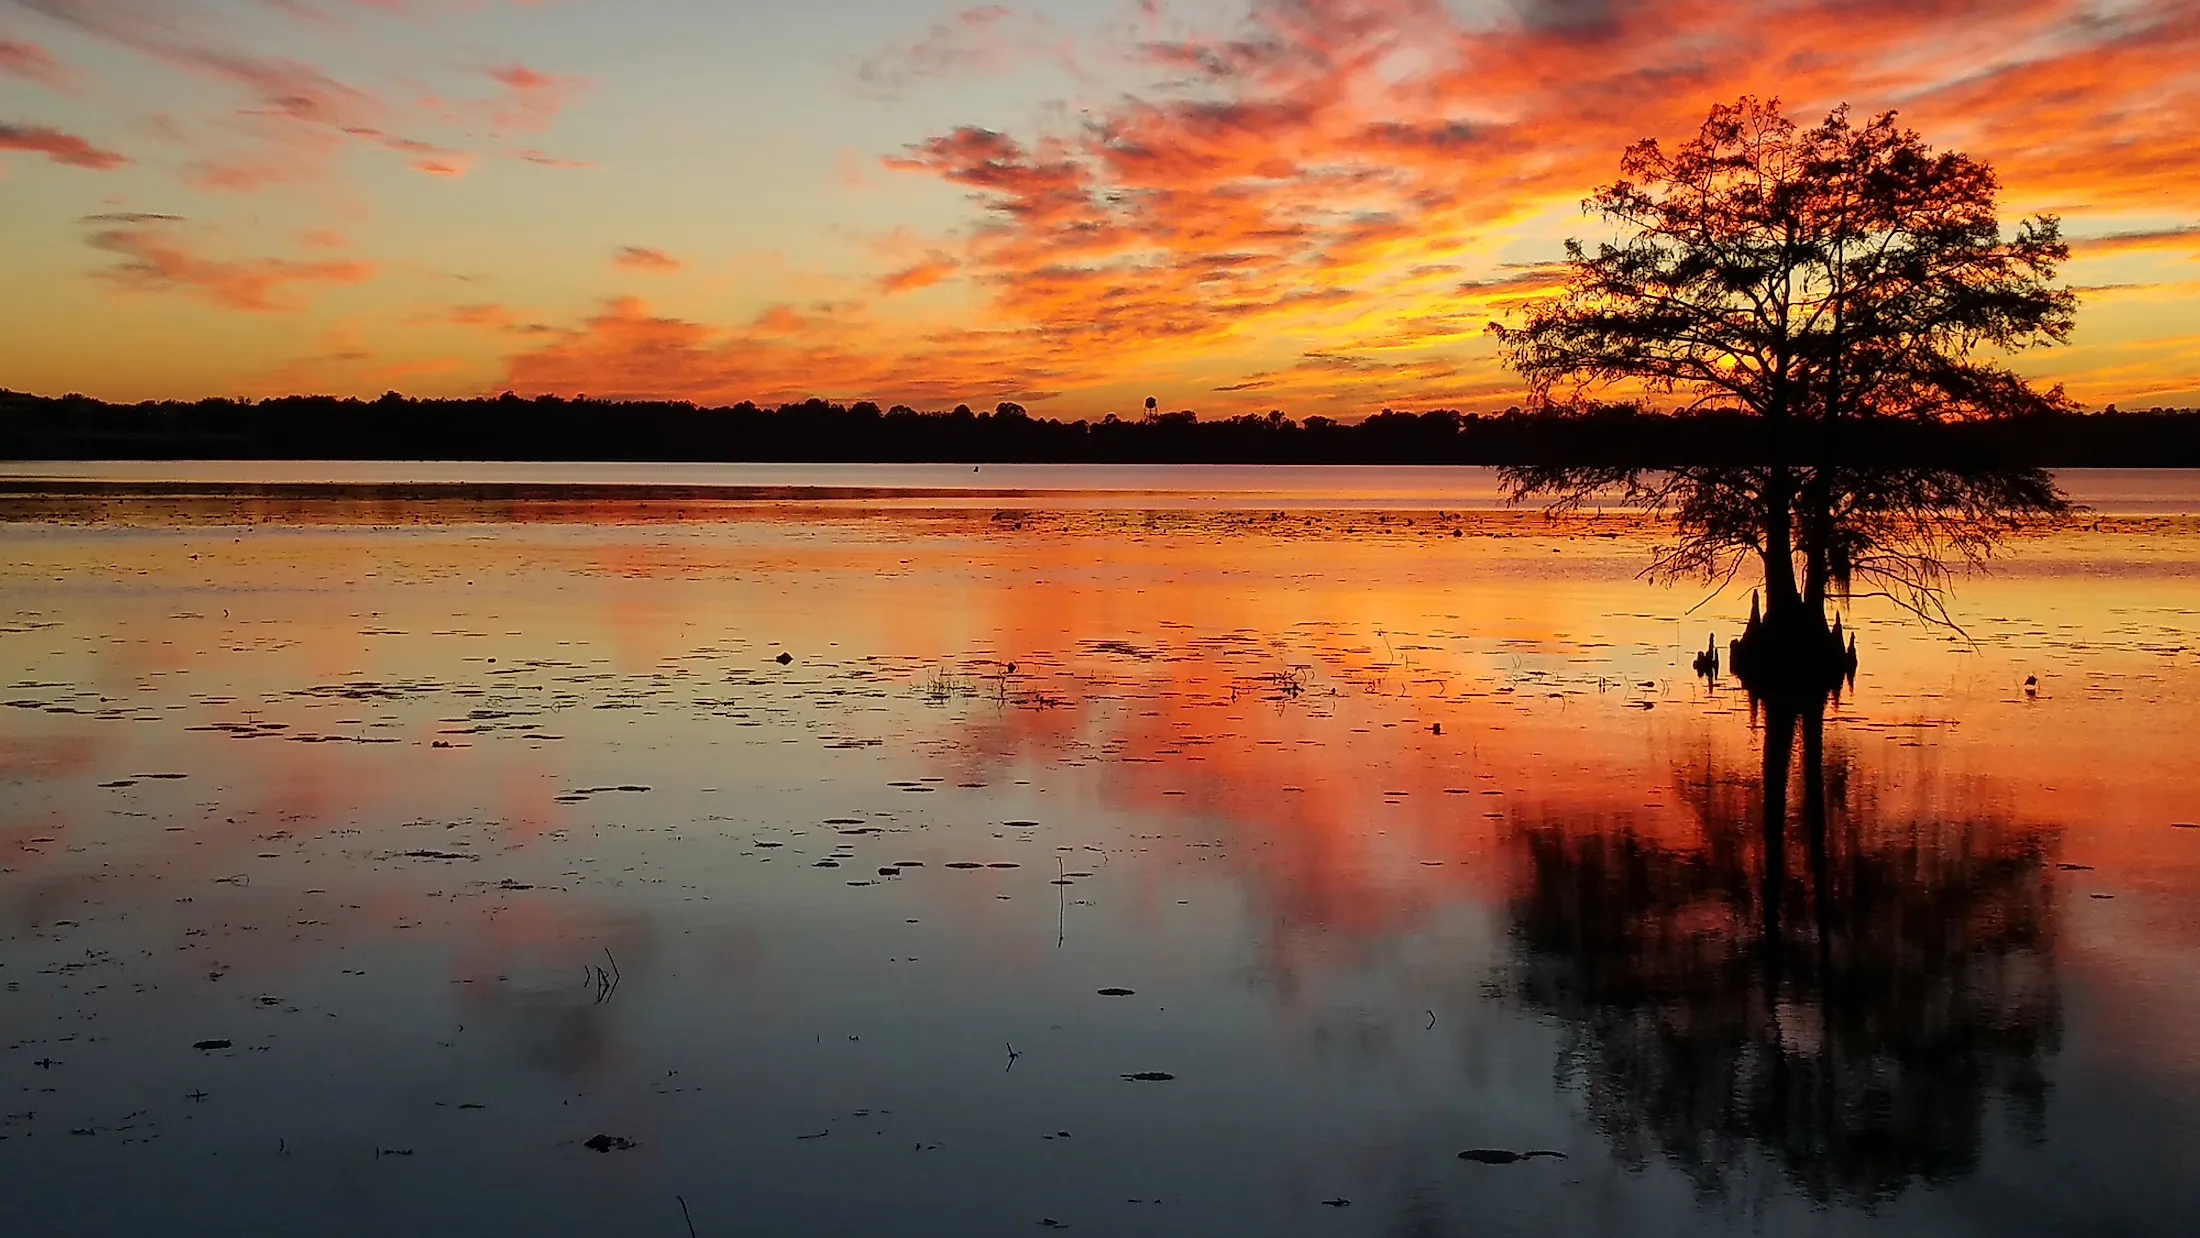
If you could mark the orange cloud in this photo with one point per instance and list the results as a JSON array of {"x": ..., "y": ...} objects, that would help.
[
  {"x": 626, "y": 351},
  {"x": 639, "y": 258},
  {"x": 494, "y": 317},
  {"x": 63, "y": 148},
  {"x": 1322, "y": 189},
  {"x": 935, "y": 268},
  {"x": 152, "y": 259}
]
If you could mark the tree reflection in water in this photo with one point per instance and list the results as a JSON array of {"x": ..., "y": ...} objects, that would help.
[{"x": 1843, "y": 990}]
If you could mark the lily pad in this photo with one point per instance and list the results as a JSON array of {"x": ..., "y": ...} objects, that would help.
[{"x": 610, "y": 1143}]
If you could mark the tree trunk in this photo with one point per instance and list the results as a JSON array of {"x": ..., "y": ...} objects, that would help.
[
  {"x": 1793, "y": 652},
  {"x": 1782, "y": 599}
]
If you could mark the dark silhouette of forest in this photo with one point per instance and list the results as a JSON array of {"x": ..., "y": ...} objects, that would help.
[{"x": 815, "y": 431}]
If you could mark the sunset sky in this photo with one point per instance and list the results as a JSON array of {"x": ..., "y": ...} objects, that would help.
[{"x": 1313, "y": 205}]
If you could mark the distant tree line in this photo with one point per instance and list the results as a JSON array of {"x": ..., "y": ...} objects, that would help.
[{"x": 509, "y": 427}]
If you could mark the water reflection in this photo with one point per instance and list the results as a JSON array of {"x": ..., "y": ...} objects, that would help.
[
  {"x": 398, "y": 853},
  {"x": 1822, "y": 978}
]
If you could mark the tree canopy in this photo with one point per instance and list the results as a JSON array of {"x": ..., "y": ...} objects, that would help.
[
  {"x": 1820, "y": 279},
  {"x": 1842, "y": 270}
]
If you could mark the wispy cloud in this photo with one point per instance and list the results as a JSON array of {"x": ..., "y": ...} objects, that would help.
[
  {"x": 531, "y": 98},
  {"x": 983, "y": 39},
  {"x": 152, "y": 257},
  {"x": 294, "y": 115},
  {"x": 640, "y": 258},
  {"x": 2184, "y": 240},
  {"x": 33, "y": 63},
  {"x": 934, "y": 268},
  {"x": 627, "y": 350},
  {"x": 63, "y": 148},
  {"x": 545, "y": 160}
]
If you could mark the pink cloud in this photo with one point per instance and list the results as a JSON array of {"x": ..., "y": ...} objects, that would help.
[
  {"x": 63, "y": 148},
  {"x": 523, "y": 79},
  {"x": 33, "y": 63},
  {"x": 296, "y": 113},
  {"x": 531, "y": 99}
]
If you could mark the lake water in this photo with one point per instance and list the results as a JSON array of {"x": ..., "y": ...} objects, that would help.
[
  {"x": 1160, "y": 852},
  {"x": 1165, "y": 487}
]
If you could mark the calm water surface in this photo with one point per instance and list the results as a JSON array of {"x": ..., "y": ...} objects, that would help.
[
  {"x": 2126, "y": 492},
  {"x": 360, "y": 866}
]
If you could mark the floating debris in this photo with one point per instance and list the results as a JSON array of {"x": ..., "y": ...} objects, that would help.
[
  {"x": 610, "y": 1143},
  {"x": 1502, "y": 1156},
  {"x": 1152, "y": 1076},
  {"x": 1118, "y": 992},
  {"x": 213, "y": 1044}
]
